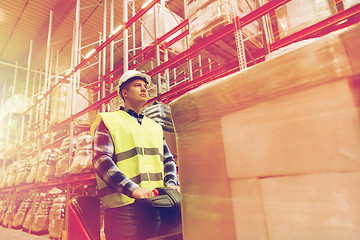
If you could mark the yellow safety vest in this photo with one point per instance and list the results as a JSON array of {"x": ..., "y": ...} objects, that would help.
[{"x": 139, "y": 154}]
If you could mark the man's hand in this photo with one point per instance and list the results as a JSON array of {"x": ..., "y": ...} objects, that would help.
[
  {"x": 142, "y": 193},
  {"x": 176, "y": 188}
]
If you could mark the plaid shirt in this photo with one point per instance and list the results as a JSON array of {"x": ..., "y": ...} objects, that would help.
[{"x": 106, "y": 168}]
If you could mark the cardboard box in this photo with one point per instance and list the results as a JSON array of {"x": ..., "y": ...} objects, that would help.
[
  {"x": 296, "y": 114},
  {"x": 310, "y": 206}
]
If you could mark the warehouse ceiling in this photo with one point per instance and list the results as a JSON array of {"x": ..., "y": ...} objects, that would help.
[{"x": 25, "y": 20}]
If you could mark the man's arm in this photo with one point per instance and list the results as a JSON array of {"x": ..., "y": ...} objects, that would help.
[
  {"x": 170, "y": 172},
  {"x": 105, "y": 167}
]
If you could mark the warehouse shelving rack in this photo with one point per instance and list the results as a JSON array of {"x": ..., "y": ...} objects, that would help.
[{"x": 197, "y": 71}]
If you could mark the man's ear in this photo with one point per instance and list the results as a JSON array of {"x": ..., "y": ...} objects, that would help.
[{"x": 124, "y": 92}]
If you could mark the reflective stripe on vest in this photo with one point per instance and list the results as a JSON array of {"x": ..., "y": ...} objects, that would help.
[{"x": 138, "y": 151}]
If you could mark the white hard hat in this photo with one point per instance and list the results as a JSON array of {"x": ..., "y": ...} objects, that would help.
[{"x": 130, "y": 74}]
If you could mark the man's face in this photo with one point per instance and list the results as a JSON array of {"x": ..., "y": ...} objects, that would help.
[{"x": 136, "y": 92}]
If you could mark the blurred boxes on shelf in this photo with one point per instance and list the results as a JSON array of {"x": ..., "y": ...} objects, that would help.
[
  {"x": 272, "y": 152},
  {"x": 61, "y": 104},
  {"x": 350, "y": 3},
  {"x": 47, "y": 164},
  {"x": 167, "y": 20},
  {"x": 57, "y": 217},
  {"x": 82, "y": 161},
  {"x": 299, "y": 14},
  {"x": 207, "y": 17}
]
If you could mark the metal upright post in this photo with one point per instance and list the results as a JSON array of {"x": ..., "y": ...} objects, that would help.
[
  {"x": 26, "y": 93},
  {"x": 187, "y": 43},
  {"x": 2, "y": 105},
  {"x": 268, "y": 35},
  {"x": 103, "y": 89},
  {"x": 47, "y": 78},
  {"x": 125, "y": 38},
  {"x": 10, "y": 116},
  {"x": 166, "y": 51},
  {"x": 3, "y": 95},
  {"x": 32, "y": 109},
  {"x": 158, "y": 62},
  {"x": 99, "y": 69},
  {"x": 133, "y": 30},
  {"x": 238, "y": 36},
  {"x": 112, "y": 44}
]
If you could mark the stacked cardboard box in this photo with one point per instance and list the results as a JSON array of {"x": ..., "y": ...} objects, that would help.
[{"x": 272, "y": 152}]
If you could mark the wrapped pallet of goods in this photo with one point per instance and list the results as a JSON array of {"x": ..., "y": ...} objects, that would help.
[
  {"x": 350, "y": 3},
  {"x": 161, "y": 114},
  {"x": 5, "y": 173},
  {"x": 61, "y": 104},
  {"x": 62, "y": 165},
  {"x": 23, "y": 172},
  {"x": 41, "y": 220},
  {"x": 57, "y": 217},
  {"x": 29, "y": 217},
  {"x": 299, "y": 14},
  {"x": 4, "y": 204},
  {"x": 33, "y": 161},
  {"x": 272, "y": 151},
  {"x": 10, "y": 213},
  {"x": 167, "y": 20},
  {"x": 20, "y": 215},
  {"x": 47, "y": 164},
  {"x": 207, "y": 17},
  {"x": 83, "y": 155},
  {"x": 13, "y": 169}
]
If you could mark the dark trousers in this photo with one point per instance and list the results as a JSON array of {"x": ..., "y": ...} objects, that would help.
[{"x": 128, "y": 223}]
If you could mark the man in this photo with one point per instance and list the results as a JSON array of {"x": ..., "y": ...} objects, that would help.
[{"x": 131, "y": 158}]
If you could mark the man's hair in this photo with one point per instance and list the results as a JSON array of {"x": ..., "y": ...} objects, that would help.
[{"x": 125, "y": 84}]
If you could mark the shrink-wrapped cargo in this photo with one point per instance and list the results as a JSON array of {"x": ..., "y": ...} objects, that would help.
[
  {"x": 161, "y": 114},
  {"x": 10, "y": 213},
  {"x": 350, "y": 3},
  {"x": 41, "y": 220},
  {"x": 47, "y": 165},
  {"x": 167, "y": 20},
  {"x": 61, "y": 103},
  {"x": 57, "y": 217},
  {"x": 207, "y": 17},
  {"x": 23, "y": 172},
  {"x": 299, "y": 14},
  {"x": 62, "y": 165},
  {"x": 19, "y": 217},
  {"x": 4, "y": 204},
  {"x": 29, "y": 218},
  {"x": 41, "y": 217},
  {"x": 13, "y": 169},
  {"x": 272, "y": 152},
  {"x": 33, "y": 161},
  {"x": 5, "y": 174},
  {"x": 83, "y": 154}
]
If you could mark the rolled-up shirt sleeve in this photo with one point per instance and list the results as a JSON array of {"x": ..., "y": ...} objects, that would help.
[
  {"x": 104, "y": 164},
  {"x": 170, "y": 171}
]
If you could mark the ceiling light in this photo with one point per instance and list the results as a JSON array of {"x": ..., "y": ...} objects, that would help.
[
  {"x": 89, "y": 54},
  {"x": 146, "y": 4}
]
